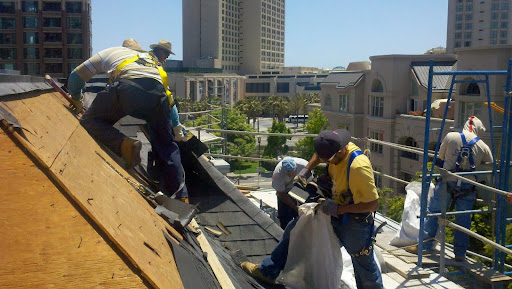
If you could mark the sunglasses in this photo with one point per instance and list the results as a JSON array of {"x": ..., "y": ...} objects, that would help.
[{"x": 328, "y": 160}]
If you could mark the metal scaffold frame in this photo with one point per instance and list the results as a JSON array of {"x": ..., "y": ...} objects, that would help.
[{"x": 501, "y": 176}]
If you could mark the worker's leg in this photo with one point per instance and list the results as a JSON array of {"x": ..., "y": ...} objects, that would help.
[
  {"x": 356, "y": 237},
  {"x": 285, "y": 213},
  {"x": 431, "y": 223},
  {"x": 274, "y": 264},
  {"x": 461, "y": 240},
  {"x": 100, "y": 117}
]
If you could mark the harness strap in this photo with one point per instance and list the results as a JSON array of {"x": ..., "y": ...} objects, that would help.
[{"x": 466, "y": 146}]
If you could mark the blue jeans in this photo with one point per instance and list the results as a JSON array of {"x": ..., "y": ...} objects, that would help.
[
  {"x": 353, "y": 236},
  {"x": 461, "y": 240},
  {"x": 144, "y": 99}
]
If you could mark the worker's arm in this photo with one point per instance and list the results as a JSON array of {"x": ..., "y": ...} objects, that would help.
[
  {"x": 313, "y": 162},
  {"x": 359, "y": 207},
  {"x": 75, "y": 85},
  {"x": 285, "y": 198},
  {"x": 305, "y": 173}
]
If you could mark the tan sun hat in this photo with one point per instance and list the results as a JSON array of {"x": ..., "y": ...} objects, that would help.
[
  {"x": 132, "y": 44},
  {"x": 163, "y": 44}
]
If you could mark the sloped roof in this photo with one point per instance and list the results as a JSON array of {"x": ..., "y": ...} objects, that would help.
[
  {"x": 440, "y": 83},
  {"x": 343, "y": 79}
]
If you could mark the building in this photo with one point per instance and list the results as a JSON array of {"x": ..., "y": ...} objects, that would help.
[
  {"x": 303, "y": 70},
  {"x": 237, "y": 36},
  {"x": 478, "y": 23},
  {"x": 44, "y": 36}
]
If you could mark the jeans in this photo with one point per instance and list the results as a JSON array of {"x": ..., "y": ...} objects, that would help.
[
  {"x": 353, "y": 236},
  {"x": 144, "y": 99},
  {"x": 461, "y": 240},
  {"x": 284, "y": 213}
]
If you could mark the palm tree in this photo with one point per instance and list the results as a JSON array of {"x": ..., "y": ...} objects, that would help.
[
  {"x": 282, "y": 108},
  {"x": 297, "y": 103},
  {"x": 270, "y": 105},
  {"x": 251, "y": 106}
]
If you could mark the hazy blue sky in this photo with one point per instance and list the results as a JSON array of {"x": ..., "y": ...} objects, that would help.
[{"x": 320, "y": 33}]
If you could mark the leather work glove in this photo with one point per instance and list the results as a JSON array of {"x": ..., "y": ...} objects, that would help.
[
  {"x": 77, "y": 105},
  {"x": 302, "y": 178},
  {"x": 179, "y": 133},
  {"x": 328, "y": 206}
]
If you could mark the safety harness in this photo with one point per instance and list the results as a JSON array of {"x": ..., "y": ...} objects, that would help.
[{"x": 144, "y": 62}]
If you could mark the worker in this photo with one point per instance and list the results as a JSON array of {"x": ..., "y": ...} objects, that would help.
[
  {"x": 138, "y": 87},
  {"x": 161, "y": 50},
  {"x": 132, "y": 44},
  {"x": 459, "y": 152},
  {"x": 354, "y": 199},
  {"x": 282, "y": 182}
]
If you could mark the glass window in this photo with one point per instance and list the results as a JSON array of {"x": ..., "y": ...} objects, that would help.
[
  {"x": 30, "y": 22},
  {"x": 494, "y": 25},
  {"x": 8, "y": 38},
  {"x": 503, "y": 41},
  {"x": 504, "y": 15},
  {"x": 377, "y": 106},
  {"x": 469, "y": 8},
  {"x": 328, "y": 101},
  {"x": 503, "y": 34},
  {"x": 7, "y": 7},
  {"x": 51, "y": 22},
  {"x": 52, "y": 6},
  {"x": 377, "y": 86},
  {"x": 376, "y": 148},
  {"x": 32, "y": 68},
  {"x": 494, "y": 16},
  {"x": 504, "y": 6},
  {"x": 414, "y": 105},
  {"x": 74, "y": 22},
  {"x": 467, "y": 35},
  {"x": 458, "y": 26},
  {"x": 7, "y": 23},
  {"x": 74, "y": 38},
  {"x": 72, "y": 66},
  {"x": 11, "y": 66},
  {"x": 467, "y": 43},
  {"x": 53, "y": 68},
  {"x": 504, "y": 25},
  {"x": 493, "y": 41},
  {"x": 52, "y": 37},
  {"x": 414, "y": 87},
  {"x": 468, "y": 109},
  {"x": 494, "y": 34},
  {"x": 468, "y": 17},
  {"x": 74, "y": 7},
  {"x": 459, "y": 8},
  {"x": 377, "y": 177},
  {"x": 458, "y": 17},
  {"x": 53, "y": 52},
  {"x": 31, "y": 53},
  {"x": 468, "y": 26},
  {"x": 29, "y": 6},
  {"x": 8, "y": 53},
  {"x": 30, "y": 37},
  {"x": 458, "y": 35},
  {"x": 74, "y": 53},
  {"x": 343, "y": 103},
  {"x": 495, "y": 6}
]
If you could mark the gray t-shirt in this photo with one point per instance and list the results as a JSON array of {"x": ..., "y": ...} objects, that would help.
[{"x": 281, "y": 182}]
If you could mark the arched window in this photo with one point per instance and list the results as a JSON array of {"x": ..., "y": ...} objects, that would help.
[
  {"x": 377, "y": 86},
  {"x": 473, "y": 89}
]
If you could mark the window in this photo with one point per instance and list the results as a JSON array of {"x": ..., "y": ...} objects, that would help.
[
  {"x": 376, "y": 148},
  {"x": 377, "y": 177},
  {"x": 52, "y": 37},
  {"x": 31, "y": 53},
  {"x": 31, "y": 69},
  {"x": 7, "y": 7},
  {"x": 328, "y": 101},
  {"x": 53, "y": 68},
  {"x": 413, "y": 105},
  {"x": 458, "y": 26},
  {"x": 53, "y": 52},
  {"x": 469, "y": 8},
  {"x": 467, "y": 43},
  {"x": 7, "y": 23},
  {"x": 73, "y": 7},
  {"x": 503, "y": 41},
  {"x": 283, "y": 87},
  {"x": 494, "y": 25},
  {"x": 377, "y": 106},
  {"x": 11, "y": 66},
  {"x": 503, "y": 34},
  {"x": 8, "y": 53},
  {"x": 458, "y": 17},
  {"x": 459, "y": 8},
  {"x": 257, "y": 87},
  {"x": 468, "y": 26},
  {"x": 495, "y": 6},
  {"x": 493, "y": 34},
  {"x": 30, "y": 37},
  {"x": 504, "y": 25},
  {"x": 414, "y": 88},
  {"x": 29, "y": 6},
  {"x": 377, "y": 86},
  {"x": 494, "y": 16},
  {"x": 493, "y": 41},
  {"x": 410, "y": 155},
  {"x": 8, "y": 38},
  {"x": 343, "y": 102},
  {"x": 468, "y": 109},
  {"x": 52, "y": 22},
  {"x": 504, "y": 6},
  {"x": 504, "y": 15},
  {"x": 458, "y": 35},
  {"x": 74, "y": 22},
  {"x": 468, "y": 17},
  {"x": 467, "y": 35},
  {"x": 51, "y": 6}
]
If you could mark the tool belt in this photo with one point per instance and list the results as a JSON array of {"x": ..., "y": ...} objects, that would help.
[{"x": 358, "y": 218}]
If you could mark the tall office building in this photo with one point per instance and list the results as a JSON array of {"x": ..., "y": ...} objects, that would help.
[
  {"x": 237, "y": 36},
  {"x": 478, "y": 23},
  {"x": 45, "y": 36}
]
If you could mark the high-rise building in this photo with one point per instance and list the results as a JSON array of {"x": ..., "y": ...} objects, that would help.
[
  {"x": 237, "y": 36},
  {"x": 44, "y": 36},
  {"x": 478, "y": 23}
]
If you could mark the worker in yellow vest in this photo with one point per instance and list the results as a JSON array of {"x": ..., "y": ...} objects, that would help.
[{"x": 138, "y": 87}]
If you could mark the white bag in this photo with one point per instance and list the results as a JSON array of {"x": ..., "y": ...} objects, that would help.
[
  {"x": 314, "y": 256},
  {"x": 410, "y": 226}
]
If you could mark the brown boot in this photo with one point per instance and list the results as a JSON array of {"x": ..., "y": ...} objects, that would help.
[
  {"x": 253, "y": 270},
  {"x": 184, "y": 200},
  {"x": 130, "y": 151}
]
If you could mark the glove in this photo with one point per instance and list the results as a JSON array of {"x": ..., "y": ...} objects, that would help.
[
  {"x": 302, "y": 178},
  {"x": 179, "y": 133},
  {"x": 329, "y": 207},
  {"x": 77, "y": 105}
]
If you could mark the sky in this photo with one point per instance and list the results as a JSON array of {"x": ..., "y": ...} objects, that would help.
[{"x": 320, "y": 33}]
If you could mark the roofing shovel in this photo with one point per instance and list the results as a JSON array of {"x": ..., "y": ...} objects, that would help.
[{"x": 59, "y": 89}]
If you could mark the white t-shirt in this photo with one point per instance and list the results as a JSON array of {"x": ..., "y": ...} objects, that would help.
[{"x": 281, "y": 182}]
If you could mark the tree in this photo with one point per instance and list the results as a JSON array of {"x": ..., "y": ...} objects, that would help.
[
  {"x": 239, "y": 144},
  {"x": 276, "y": 145},
  {"x": 270, "y": 105},
  {"x": 282, "y": 108},
  {"x": 251, "y": 106},
  {"x": 316, "y": 123}
]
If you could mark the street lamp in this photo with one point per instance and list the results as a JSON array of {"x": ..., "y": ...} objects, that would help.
[{"x": 259, "y": 157}]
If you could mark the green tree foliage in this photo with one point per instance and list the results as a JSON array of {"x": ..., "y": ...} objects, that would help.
[
  {"x": 250, "y": 106},
  {"x": 269, "y": 105},
  {"x": 239, "y": 144},
  {"x": 391, "y": 207},
  {"x": 276, "y": 145},
  {"x": 316, "y": 123}
]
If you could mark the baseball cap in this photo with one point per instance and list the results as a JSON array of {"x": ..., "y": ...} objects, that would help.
[
  {"x": 329, "y": 142},
  {"x": 288, "y": 165}
]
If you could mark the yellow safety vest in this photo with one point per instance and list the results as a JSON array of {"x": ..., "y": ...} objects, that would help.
[{"x": 161, "y": 71}]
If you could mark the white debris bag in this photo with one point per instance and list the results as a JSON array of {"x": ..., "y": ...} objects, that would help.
[
  {"x": 314, "y": 256},
  {"x": 410, "y": 226}
]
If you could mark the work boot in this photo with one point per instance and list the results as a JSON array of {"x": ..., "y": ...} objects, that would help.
[
  {"x": 130, "y": 151},
  {"x": 253, "y": 270},
  {"x": 184, "y": 200}
]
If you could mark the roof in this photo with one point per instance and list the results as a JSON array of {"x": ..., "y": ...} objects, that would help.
[
  {"x": 343, "y": 79},
  {"x": 440, "y": 83}
]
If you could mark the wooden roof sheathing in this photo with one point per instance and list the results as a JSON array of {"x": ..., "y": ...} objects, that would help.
[{"x": 55, "y": 138}]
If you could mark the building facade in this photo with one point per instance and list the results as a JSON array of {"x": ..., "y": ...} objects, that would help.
[
  {"x": 237, "y": 36},
  {"x": 478, "y": 23},
  {"x": 44, "y": 36}
]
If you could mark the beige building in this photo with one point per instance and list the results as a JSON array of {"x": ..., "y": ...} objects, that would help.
[
  {"x": 478, "y": 23},
  {"x": 44, "y": 36},
  {"x": 237, "y": 36}
]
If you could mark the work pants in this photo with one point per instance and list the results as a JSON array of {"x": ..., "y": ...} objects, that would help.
[
  {"x": 284, "y": 213},
  {"x": 142, "y": 98},
  {"x": 464, "y": 203},
  {"x": 354, "y": 237}
]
